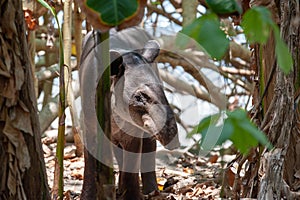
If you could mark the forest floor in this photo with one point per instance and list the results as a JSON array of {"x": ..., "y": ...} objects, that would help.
[{"x": 181, "y": 175}]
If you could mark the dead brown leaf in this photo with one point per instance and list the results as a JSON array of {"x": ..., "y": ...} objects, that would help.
[
  {"x": 213, "y": 159},
  {"x": 230, "y": 176},
  {"x": 188, "y": 170},
  {"x": 77, "y": 174}
]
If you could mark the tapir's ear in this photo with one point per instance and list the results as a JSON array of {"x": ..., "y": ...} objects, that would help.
[
  {"x": 151, "y": 50},
  {"x": 116, "y": 67}
]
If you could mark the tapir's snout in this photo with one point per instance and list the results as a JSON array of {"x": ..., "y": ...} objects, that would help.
[
  {"x": 168, "y": 135},
  {"x": 150, "y": 110}
]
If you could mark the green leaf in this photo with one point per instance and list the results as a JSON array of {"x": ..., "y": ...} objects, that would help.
[
  {"x": 237, "y": 127},
  {"x": 113, "y": 12},
  {"x": 284, "y": 58},
  {"x": 46, "y": 5},
  {"x": 157, "y": 2},
  {"x": 243, "y": 140},
  {"x": 206, "y": 31},
  {"x": 257, "y": 24},
  {"x": 216, "y": 135},
  {"x": 213, "y": 131},
  {"x": 246, "y": 134},
  {"x": 224, "y": 6},
  {"x": 204, "y": 124}
]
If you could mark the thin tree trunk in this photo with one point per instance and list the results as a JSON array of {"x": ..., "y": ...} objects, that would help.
[
  {"x": 78, "y": 32},
  {"x": 22, "y": 172},
  {"x": 189, "y": 12},
  {"x": 67, "y": 27},
  {"x": 98, "y": 175}
]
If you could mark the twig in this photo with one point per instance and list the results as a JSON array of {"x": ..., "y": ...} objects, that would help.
[{"x": 165, "y": 14}]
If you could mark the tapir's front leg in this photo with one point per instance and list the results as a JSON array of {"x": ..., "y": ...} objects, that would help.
[
  {"x": 129, "y": 187},
  {"x": 148, "y": 165}
]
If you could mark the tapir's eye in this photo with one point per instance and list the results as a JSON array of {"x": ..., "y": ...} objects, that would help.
[{"x": 137, "y": 60}]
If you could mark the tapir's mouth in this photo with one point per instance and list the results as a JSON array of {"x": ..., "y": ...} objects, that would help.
[
  {"x": 149, "y": 124},
  {"x": 166, "y": 133}
]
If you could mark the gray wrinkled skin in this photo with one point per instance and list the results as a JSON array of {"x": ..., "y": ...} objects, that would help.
[{"x": 140, "y": 111}]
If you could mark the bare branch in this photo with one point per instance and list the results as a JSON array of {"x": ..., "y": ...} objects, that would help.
[
  {"x": 183, "y": 86},
  {"x": 239, "y": 82},
  {"x": 238, "y": 51},
  {"x": 51, "y": 72},
  {"x": 190, "y": 67},
  {"x": 242, "y": 72},
  {"x": 50, "y": 111},
  {"x": 153, "y": 8},
  {"x": 239, "y": 64},
  {"x": 176, "y": 3},
  {"x": 193, "y": 60}
]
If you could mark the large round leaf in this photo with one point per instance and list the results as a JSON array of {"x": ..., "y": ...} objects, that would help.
[{"x": 103, "y": 14}]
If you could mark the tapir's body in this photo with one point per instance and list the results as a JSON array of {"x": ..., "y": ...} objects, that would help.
[{"x": 140, "y": 110}]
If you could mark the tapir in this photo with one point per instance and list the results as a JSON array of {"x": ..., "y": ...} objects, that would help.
[{"x": 140, "y": 112}]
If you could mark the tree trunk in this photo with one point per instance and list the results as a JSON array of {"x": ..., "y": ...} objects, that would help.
[
  {"x": 22, "y": 172},
  {"x": 98, "y": 180},
  {"x": 280, "y": 109},
  {"x": 189, "y": 11}
]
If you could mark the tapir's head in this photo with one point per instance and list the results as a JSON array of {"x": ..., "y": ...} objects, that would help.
[{"x": 138, "y": 95}]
